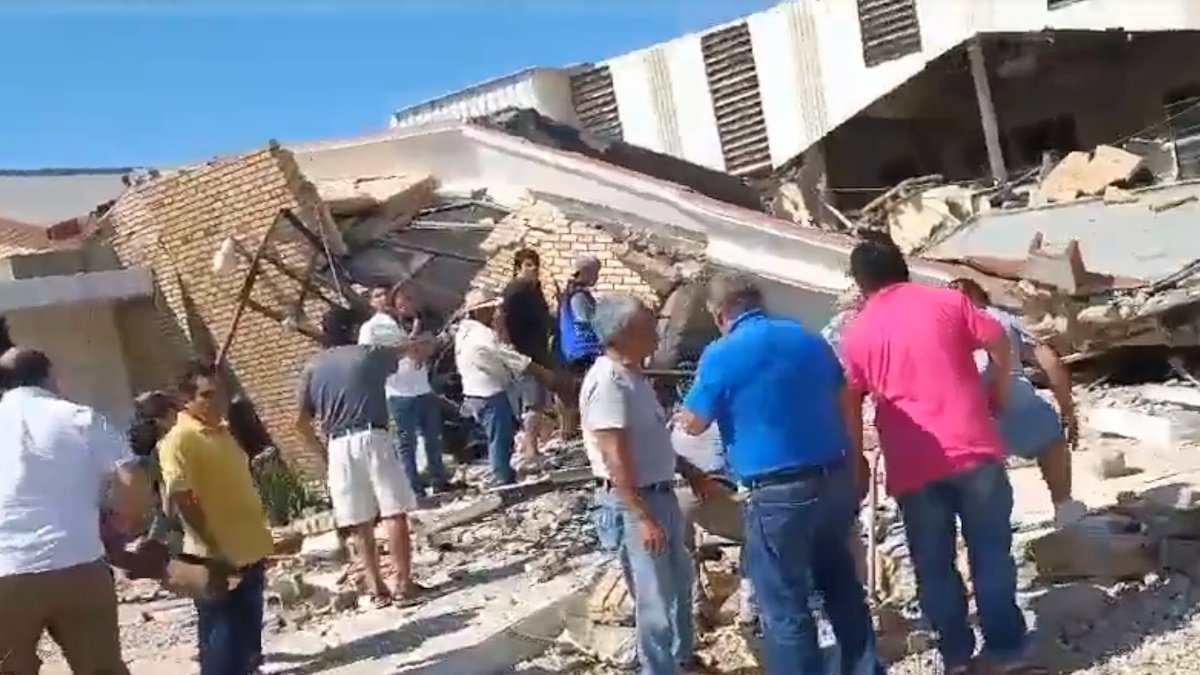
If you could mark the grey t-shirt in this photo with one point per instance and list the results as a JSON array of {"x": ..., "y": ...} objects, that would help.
[
  {"x": 343, "y": 387},
  {"x": 614, "y": 397}
]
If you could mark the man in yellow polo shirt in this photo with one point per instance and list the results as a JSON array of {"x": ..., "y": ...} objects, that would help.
[{"x": 207, "y": 477}]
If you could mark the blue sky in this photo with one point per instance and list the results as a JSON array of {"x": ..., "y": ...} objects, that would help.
[{"x": 156, "y": 82}]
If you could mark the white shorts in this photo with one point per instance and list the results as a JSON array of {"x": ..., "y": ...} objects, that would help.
[{"x": 367, "y": 479}]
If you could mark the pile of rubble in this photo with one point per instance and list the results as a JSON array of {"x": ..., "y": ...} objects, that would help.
[{"x": 541, "y": 525}]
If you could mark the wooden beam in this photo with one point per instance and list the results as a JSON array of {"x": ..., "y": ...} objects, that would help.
[{"x": 244, "y": 293}]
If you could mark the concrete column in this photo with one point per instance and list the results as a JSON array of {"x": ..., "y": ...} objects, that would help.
[{"x": 987, "y": 111}]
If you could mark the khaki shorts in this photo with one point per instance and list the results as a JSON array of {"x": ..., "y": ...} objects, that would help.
[{"x": 76, "y": 605}]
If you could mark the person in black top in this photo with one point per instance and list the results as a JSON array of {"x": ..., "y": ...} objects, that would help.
[{"x": 528, "y": 324}]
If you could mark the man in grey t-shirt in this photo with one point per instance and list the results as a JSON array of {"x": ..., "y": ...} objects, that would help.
[
  {"x": 629, "y": 446},
  {"x": 343, "y": 388}
]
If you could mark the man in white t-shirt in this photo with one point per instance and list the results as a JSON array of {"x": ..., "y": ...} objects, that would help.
[
  {"x": 411, "y": 401},
  {"x": 60, "y": 465}
]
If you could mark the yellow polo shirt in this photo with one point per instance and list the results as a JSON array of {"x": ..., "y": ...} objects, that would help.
[{"x": 210, "y": 463}]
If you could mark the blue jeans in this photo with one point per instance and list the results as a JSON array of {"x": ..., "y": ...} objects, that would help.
[
  {"x": 495, "y": 414},
  {"x": 419, "y": 415},
  {"x": 661, "y": 585},
  {"x": 230, "y": 630},
  {"x": 797, "y": 541},
  {"x": 982, "y": 500}
]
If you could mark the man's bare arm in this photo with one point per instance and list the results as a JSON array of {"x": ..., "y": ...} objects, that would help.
[
  {"x": 1000, "y": 351},
  {"x": 1060, "y": 384},
  {"x": 307, "y": 430},
  {"x": 185, "y": 505},
  {"x": 690, "y": 423},
  {"x": 852, "y": 415},
  {"x": 305, "y": 413}
]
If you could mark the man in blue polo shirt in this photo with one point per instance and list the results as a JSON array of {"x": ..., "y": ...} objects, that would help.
[{"x": 776, "y": 392}]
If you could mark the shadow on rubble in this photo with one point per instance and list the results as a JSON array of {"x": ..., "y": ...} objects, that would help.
[
  {"x": 403, "y": 638},
  {"x": 1083, "y": 622},
  {"x": 475, "y": 577}
]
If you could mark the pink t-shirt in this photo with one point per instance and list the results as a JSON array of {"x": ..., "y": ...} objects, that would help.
[{"x": 912, "y": 348}]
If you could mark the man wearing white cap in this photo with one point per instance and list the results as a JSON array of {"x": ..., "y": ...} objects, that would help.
[{"x": 488, "y": 367}]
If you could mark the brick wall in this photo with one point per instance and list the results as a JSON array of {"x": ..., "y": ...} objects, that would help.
[
  {"x": 174, "y": 225},
  {"x": 559, "y": 241}
]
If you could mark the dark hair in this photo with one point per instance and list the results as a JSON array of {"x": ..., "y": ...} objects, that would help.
[
  {"x": 876, "y": 264},
  {"x": 526, "y": 254},
  {"x": 339, "y": 327},
  {"x": 187, "y": 384},
  {"x": 154, "y": 405},
  {"x": 28, "y": 368},
  {"x": 971, "y": 289}
]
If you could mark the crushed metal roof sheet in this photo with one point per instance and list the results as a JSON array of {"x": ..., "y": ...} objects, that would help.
[{"x": 1124, "y": 240}]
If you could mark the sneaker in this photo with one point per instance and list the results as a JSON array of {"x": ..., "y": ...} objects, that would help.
[{"x": 1069, "y": 513}]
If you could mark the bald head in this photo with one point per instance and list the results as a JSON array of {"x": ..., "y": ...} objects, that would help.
[{"x": 25, "y": 367}]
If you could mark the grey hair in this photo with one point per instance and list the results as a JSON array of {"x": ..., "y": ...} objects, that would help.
[
  {"x": 733, "y": 292},
  {"x": 613, "y": 314}
]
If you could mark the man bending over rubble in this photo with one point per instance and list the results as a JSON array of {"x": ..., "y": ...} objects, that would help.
[
  {"x": 1028, "y": 424},
  {"x": 776, "y": 392},
  {"x": 629, "y": 445},
  {"x": 912, "y": 349},
  {"x": 343, "y": 387}
]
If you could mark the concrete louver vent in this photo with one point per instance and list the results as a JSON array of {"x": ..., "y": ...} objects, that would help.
[
  {"x": 733, "y": 82},
  {"x": 595, "y": 103},
  {"x": 890, "y": 29}
]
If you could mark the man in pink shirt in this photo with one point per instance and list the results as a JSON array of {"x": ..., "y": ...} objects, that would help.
[{"x": 912, "y": 348}]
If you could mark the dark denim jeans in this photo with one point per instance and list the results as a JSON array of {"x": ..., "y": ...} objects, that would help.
[
  {"x": 495, "y": 414},
  {"x": 982, "y": 500},
  {"x": 661, "y": 585},
  {"x": 797, "y": 541},
  {"x": 230, "y": 630},
  {"x": 419, "y": 415}
]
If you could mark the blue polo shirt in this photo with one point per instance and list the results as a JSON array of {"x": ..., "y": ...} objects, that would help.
[{"x": 772, "y": 387}]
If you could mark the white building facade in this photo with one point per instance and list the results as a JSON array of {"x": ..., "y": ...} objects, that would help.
[{"x": 750, "y": 95}]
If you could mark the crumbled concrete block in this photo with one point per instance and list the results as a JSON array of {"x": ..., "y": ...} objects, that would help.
[
  {"x": 1164, "y": 431},
  {"x": 1111, "y": 465},
  {"x": 1115, "y": 195},
  {"x": 1079, "y": 553},
  {"x": 1064, "y": 603},
  {"x": 611, "y": 603},
  {"x": 1179, "y": 555},
  {"x": 1184, "y": 396},
  {"x": 1082, "y": 174}
]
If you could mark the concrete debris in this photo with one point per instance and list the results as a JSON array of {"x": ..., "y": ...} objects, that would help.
[
  {"x": 1076, "y": 553},
  {"x": 1116, "y": 195},
  {"x": 915, "y": 220},
  {"x": 1084, "y": 174},
  {"x": 390, "y": 196},
  {"x": 1163, "y": 431},
  {"x": 1112, "y": 464}
]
